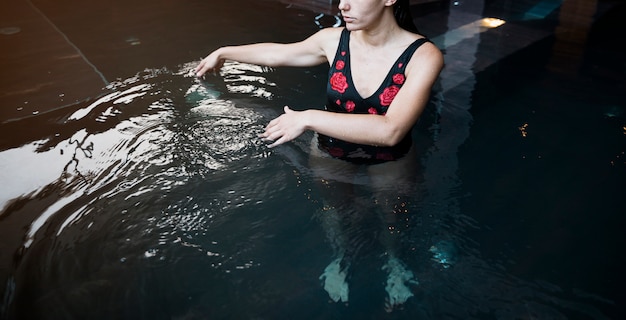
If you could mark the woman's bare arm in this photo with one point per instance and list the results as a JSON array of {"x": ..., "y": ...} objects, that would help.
[
  {"x": 314, "y": 50},
  {"x": 381, "y": 130}
]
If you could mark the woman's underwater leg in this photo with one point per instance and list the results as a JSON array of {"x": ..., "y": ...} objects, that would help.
[
  {"x": 393, "y": 184},
  {"x": 335, "y": 185}
]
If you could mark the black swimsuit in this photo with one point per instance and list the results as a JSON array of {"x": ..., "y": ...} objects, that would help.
[{"x": 343, "y": 97}]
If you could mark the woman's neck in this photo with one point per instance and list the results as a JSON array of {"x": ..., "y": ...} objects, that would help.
[
  {"x": 384, "y": 33},
  {"x": 381, "y": 38}
]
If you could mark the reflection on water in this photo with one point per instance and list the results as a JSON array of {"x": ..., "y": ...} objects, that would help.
[
  {"x": 168, "y": 203},
  {"x": 158, "y": 136}
]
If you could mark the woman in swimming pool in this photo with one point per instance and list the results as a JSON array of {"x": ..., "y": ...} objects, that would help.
[{"x": 380, "y": 79}]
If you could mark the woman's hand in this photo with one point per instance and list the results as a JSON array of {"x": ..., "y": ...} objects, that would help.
[
  {"x": 286, "y": 127},
  {"x": 211, "y": 63}
]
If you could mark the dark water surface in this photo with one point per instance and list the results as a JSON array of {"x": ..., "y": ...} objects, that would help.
[{"x": 149, "y": 195}]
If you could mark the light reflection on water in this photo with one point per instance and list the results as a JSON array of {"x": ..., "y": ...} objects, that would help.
[
  {"x": 166, "y": 170},
  {"x": 172, "y": 205},
  {"x": 143, "y": 145}
]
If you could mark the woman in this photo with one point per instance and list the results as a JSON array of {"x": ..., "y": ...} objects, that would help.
[{"x": 380, "y": 79}]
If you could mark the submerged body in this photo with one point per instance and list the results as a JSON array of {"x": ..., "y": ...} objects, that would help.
[{"x": 380, "y": 78}]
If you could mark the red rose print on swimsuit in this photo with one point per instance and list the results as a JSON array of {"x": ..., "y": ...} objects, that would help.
[
  {"x": 398, "y": 78},
  {"x": 350, "y": 106},
  {"x": 340, "y": 64},
  {"x": 335, "y": 152},
  {"x": 338, "y": 82},
  {"x": 388, "y": 94},
  {"x": 384, "y": 156},
  {"x": 372, "y": 110}
]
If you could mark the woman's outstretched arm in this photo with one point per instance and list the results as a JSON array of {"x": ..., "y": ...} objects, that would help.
[
  {"x": 379, "y": 130},
  {"x": 312, "y": 51}
]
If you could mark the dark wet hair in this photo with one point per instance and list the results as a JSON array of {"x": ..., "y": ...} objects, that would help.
[{"x": 402, "y": 12}]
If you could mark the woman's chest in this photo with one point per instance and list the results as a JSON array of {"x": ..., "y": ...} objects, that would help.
[{"x": 369, "y": 72}]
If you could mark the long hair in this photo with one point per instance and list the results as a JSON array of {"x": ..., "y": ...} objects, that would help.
[{"x": 402, "y": 13}]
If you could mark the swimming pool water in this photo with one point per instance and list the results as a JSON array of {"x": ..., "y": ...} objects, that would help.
[{"x": 156, "y": 200}]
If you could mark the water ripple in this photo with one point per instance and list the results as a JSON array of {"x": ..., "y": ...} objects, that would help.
[{"x": 153, "y": 133}]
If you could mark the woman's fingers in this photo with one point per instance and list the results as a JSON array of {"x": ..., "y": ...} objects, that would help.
[
  {"x": 281, "y": 129},
  {"x": 201, "y": 68},
  {"x": 272, "y": 134},
  {"x": 277, "y": 142},
  {"x": 208, "y": 64}
]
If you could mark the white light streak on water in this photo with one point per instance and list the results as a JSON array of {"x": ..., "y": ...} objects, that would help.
[{"x": 466, "y": 31}]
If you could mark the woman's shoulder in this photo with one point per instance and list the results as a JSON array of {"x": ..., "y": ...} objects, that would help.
[
  {"x": 327, "y": 36},
  {"x": 328, "y": 39},
  {"x": 427, "y": 57},
  {"x": 331, "y": 32},
  {"x": 430, "y": 50},
  {"x": 426, "y": 48}
]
